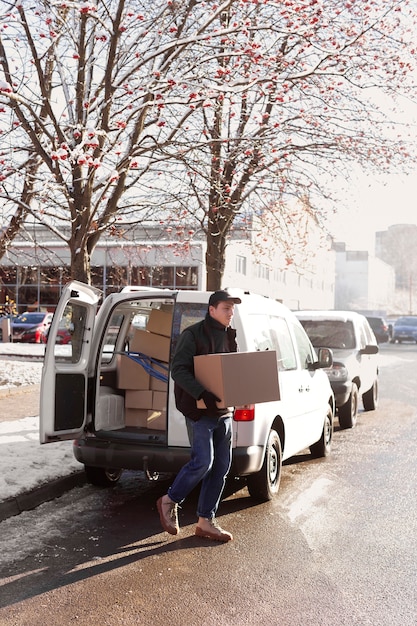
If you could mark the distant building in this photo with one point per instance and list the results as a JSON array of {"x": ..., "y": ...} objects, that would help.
[
  {"x": 363, "y": 282},
  {"x": 398, "y": 246}
]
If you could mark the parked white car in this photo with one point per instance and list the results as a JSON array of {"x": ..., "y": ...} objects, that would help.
[
  {"x": 117, "y": 402},
  {"x": 355, "y": 369}
]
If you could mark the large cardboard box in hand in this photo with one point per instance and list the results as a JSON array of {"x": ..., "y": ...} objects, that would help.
[
  {"x": 239, "y": 378},
  {"x": 160, "y": 322},
  {"x": 151, "y": 344}
]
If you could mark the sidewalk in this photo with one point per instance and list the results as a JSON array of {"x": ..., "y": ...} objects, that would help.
[
  {"x": 30, "y": 474},
  {"x": 19, "y": 402}
]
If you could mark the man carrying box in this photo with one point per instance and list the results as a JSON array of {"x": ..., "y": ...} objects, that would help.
[{"x": 210, "y": 429}]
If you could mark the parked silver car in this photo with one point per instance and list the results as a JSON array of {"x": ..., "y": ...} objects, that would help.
[{"x": 355, "y": 358}]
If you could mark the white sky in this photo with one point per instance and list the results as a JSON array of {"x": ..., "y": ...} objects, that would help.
[{"x": 372, "y": 205}]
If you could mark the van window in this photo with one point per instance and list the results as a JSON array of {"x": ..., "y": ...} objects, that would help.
[
  {"x": 70, "y": 334},
  {"x": 305, "y": 350},
  {"x": 186, "y": 314},
  {"x": 259, "y": 328},
  {"x": 330, "y": 333},
  {"x": 110, "y": 339},
  {"x": 282, "y": 343},
  {"x": 369, "y": 340}
]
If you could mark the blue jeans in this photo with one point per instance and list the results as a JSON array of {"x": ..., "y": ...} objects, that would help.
[{"x": 211, "y": 455}]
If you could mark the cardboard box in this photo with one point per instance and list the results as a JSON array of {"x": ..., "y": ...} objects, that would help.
[
  {"x": 239, "y": 378},
  {"x": 159, "y": 400},
  {"x": 156, "y": 384},
  {"x": 138, "y": 399},
  {"x": 160, "y": 322},
  {"x": 136, "y": 417},
  {"x": 131, "y": 375},
  {"x": 157, "y": 420},
  {"x": 151, "y": 344},
  {"x": 146, "y": 418}
]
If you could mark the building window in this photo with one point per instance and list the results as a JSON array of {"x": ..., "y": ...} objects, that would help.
[
  {"x": 261, "y": 271},
  {"x": 241, "y": 264}
]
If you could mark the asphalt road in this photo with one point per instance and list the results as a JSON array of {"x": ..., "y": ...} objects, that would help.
[{"x": 336, "y": 547}]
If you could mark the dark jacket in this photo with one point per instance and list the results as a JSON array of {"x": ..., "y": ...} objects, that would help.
[{"x": 205, "y": 337}]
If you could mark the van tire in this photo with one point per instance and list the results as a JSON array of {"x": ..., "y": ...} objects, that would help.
[
  {"x": 264, "y": 485},
  {"x": 102, "y": 476},
  {"x": 348, "y": 413},
  {"x": 323, "y": 446},
  {"x": 370, "y": 397}
]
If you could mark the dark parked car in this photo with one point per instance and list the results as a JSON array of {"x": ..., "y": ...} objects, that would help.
[
  {"x": 31, "y": 327},
  {"x": 355, "y": 370},
  {"x": 405, "y": 329},
  {"x": 380, "y": 328}
]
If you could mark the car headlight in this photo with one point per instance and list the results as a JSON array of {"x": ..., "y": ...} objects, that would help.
[{"x": 338, "y": 372}]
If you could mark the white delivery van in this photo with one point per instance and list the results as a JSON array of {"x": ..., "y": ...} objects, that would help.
[{"x": 109, "y": 387}]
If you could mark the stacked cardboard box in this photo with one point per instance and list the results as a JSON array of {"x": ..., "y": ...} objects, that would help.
[{"x": 145, "y": 394}]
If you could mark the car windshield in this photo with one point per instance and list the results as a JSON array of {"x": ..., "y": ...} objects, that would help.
[
  {"x": 330, "y": 333},
  {"x": 30, "y": 318},
  {"x": 406, "y": 321}
]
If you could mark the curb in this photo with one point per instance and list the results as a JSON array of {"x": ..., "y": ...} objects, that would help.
[
  {"x": 39, "y": 495},
  {"x": 11, "y": 356},
  {"x": 16, "y": 390}
]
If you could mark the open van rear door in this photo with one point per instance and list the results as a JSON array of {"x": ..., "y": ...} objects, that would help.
[{"x": 63, "y": 399}]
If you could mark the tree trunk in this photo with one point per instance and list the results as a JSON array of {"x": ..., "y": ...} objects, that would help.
[
  {"x": 215, "y": 260},
  {"x": 80, "y": 265}
]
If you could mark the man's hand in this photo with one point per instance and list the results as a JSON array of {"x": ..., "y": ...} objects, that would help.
[{"x": 210, "y": 400}]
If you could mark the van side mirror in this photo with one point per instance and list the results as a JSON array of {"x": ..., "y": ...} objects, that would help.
[
  {"x": 370, "y": 349},
  {"x": 324, "y": 359}
]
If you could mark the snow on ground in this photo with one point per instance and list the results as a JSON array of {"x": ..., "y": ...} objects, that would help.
[
  {"x": 24, "y": 463},
  {"x": 17, "y": 374}
]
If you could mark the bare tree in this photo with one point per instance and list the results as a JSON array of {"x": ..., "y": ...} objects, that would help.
[
  {"x": 194, "y": 111},
  {"x": 85, "y": 87},
  {"x": 299, "y": 93}
]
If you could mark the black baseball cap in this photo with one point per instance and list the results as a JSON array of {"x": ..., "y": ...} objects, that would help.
[{"x": 222, "y": 296}]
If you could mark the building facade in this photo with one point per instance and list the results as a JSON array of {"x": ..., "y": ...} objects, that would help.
[{"x": 36, "y": 267}]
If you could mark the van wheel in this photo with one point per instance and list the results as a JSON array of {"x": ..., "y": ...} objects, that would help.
[
  {"x": 323, "y": 446},
  {"x": 102, "y": 476},
  {"x": 264, "y": 485},
  {"x": 370, "y": 397},
  {"x": 348, "y": 413}
]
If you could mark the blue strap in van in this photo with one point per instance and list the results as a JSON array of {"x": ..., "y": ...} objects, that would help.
[{"x": 148, "y": 363}]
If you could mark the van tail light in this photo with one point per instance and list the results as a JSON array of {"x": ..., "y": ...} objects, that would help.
[{"x": 244, "y": 413}]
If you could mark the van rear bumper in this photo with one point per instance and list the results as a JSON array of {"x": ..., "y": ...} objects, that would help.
[
  {"x": 95, "y": 453},
  {"x": 247, "y": 460}
]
